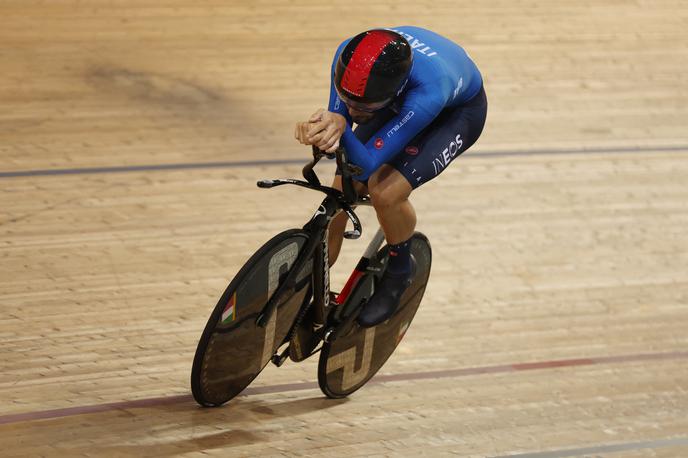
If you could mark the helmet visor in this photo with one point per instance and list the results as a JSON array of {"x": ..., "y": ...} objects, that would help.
[{"x": 366, "y": 107}]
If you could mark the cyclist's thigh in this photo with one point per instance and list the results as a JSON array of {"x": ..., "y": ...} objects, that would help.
[
  {"x": 449, "y": 135},
  {"x": 388, "y": 184}
]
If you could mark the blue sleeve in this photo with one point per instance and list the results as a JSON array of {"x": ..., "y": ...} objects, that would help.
[{"x": 420, "y": 109}]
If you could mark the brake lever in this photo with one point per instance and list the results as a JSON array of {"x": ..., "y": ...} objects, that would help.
[{"x": 358, "y": 229}]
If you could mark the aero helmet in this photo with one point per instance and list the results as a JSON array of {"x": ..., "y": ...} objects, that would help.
[{"x": 372, "y": 69}]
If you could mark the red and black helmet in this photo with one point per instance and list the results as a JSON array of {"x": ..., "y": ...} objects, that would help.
[{"x": 372, "y": 69}]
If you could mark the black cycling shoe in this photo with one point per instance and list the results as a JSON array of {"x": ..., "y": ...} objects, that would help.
[{"x": 384, "y": 302}]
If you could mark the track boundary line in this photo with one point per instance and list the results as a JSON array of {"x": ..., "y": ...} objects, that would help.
[
  {"x": 290, "y": 387},
  {"x": 302, "y": 160},
  {"x": 608, "y": 448}
]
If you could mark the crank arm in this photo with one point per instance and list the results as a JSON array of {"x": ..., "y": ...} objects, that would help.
[{"x": 279, "y": 359}]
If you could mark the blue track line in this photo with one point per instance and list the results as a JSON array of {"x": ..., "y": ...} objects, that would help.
[
  {"x": 302, "y": 160},
  {"x": 612, "y": 448}
]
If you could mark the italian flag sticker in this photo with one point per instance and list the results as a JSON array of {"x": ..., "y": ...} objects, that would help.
[{"x": 229, "y": 313}]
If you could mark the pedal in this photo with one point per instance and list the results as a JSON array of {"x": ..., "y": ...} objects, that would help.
[{"x": 278, "y": 360}]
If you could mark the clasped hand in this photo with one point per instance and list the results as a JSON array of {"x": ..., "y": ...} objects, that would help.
[{"x": 323, "y": 129}]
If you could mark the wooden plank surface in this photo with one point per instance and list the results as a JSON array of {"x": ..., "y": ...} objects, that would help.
[{"x": 574, "y": 260}]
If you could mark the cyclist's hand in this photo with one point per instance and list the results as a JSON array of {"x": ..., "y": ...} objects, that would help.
[
  {"x": 325, "y": 130},
  {"x": 302, "y": 128},
  {"x": 317, "y": 116},
  {"x": 301, "y": 132}
]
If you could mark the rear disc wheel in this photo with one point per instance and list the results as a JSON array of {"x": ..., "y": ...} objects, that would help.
[{"x": 353, "y": 358}]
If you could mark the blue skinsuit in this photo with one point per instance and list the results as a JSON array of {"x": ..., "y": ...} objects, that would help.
[{"x": 442, "y": 76}]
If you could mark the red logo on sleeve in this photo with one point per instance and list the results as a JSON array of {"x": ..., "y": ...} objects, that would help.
[
  {"x": 412, "y": 150},
  {"x": 379, "y": 143}
]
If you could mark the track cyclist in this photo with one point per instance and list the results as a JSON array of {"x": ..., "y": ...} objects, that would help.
[{"x": 418, "y": 102}]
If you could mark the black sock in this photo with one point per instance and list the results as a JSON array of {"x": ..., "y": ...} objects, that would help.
[{"x": 400, "y": 258}]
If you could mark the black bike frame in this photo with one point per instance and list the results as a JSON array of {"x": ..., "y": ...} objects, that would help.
[{"x": 317, "y": 229}]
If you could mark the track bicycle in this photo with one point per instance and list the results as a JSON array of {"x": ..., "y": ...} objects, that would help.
[{"x": 279, "y": 305}]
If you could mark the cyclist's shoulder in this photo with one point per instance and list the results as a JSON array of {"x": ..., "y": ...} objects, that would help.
[
  {"x": 419, "y": 37},
  {"x": 413, "y": 30}
]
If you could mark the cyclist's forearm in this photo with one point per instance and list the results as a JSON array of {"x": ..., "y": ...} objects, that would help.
[{"x": 360, "y": 155}]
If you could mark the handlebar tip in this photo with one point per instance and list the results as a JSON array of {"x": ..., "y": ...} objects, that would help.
[{"x": 266, "y": 183}]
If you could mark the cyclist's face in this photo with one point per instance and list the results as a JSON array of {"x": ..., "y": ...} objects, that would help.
[
  {"x": 361, "y": 113},
  {"x": 358, "y": 116}
]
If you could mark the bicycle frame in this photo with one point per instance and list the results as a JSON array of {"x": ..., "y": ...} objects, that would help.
[
  {"x": 317, "y": 245},
  {"x": 299, "y": 318}
]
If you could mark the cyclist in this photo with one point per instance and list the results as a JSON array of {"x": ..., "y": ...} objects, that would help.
[{"x": 418, "y": 102}]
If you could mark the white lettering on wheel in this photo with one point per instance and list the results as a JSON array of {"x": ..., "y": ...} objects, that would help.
[
  {"x": 286, "y": 255},
  {"x": 346, "y": 360}
]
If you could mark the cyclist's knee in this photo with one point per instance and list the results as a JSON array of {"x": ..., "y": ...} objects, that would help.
[
  {"x": 383, "y": 197},
  {"x": 388, "y": 188}
]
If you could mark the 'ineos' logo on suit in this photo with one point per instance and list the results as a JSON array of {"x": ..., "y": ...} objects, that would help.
[{"x": 445, "y": 157}]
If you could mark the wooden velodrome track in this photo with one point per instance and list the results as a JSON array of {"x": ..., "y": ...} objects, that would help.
[{"x": 131, "y": 136}]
